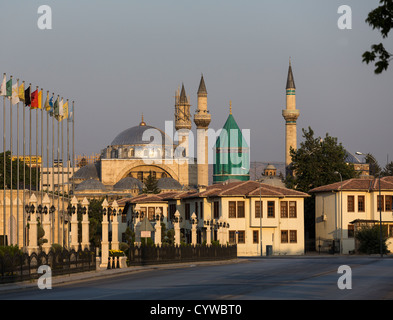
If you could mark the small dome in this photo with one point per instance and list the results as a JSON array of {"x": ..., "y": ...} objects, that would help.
[
  {"x": 128, "y": 183},
  {"x": 91, "y": 184},
  {"x": 89, "y": 171},
  {"x": 168, "y": 184},
  {"x": 270, "y": 167}
]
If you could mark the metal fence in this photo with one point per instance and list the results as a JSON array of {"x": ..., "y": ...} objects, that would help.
[
  {"x": 23, "y": 267},
  {"x": 145, "y": 255}
]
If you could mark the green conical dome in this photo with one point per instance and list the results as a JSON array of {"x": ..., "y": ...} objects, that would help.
[{"x": 232, "y": 159}]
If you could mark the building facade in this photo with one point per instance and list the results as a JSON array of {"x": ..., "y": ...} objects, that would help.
[
  {"x": 341, "y": 207},
  {"x": 229, "y": 213}
]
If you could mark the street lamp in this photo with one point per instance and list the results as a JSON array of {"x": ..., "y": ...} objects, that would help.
[
  {"x": 341, "y": 219},
  {"x": 378, "y": 202}
]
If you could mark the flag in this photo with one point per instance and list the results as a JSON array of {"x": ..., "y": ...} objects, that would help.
[
  {"x": 22, "y": 92},
  {"x": 46, "y": 105},
  {"x": 71, "y": 111},
  {"x": 34, "y": 99},
  {"x": 2, "y": 87},
  {"x": 15, "y": 94},
  {"x": 65, "y": 110},
  {"x": 40, "y": 99},
  {"x": 51, "y": 111},
  {"x": 9, "y": 88},
  {"x": 56, "y": 108},
  {"x": 60, "y": 115},
  {"x": 27, "y": 97}
]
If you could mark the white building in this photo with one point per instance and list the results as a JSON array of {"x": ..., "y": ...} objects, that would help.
[
  {"x": 229, "y": 213},
  {"x": 341, "y": 207}
]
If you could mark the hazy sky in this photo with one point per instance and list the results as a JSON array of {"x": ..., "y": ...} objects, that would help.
[{"x": 117, "y": 59}]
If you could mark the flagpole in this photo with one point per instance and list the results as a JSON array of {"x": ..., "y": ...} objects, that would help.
[
  {"x": 36, "y": 146},
  {"x": 4, "y": 167},
  {"x": 11, "y": 204},
  {"x": 58, "y": 181},
  {"x": 30, "y": 151},
  {"x": 53, "y": 170},
  {"x": 68, "y": 162},
  {"x": 62, "y": 170},
  {"x": 17, "y": 163},
  {"x": 24, "y": 173},
  {"x": 73, "y": 147},
  {"x": 42, "y": 150}
]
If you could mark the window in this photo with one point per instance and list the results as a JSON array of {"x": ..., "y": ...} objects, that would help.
[
  {"x": 232, "y": 209},
  {"x": 143, "y": 212},
  {"x": 258, "y": 211},
  {"x": 361, "y": 204},
  {"x": 216, "y": 211},
  {"x": 124, "y": 217},
  {"x": 292, "y": 236},
  {"x": 255, "y": 236},
  {"x": 232, "y": 237},
  {"x": 172, "y": 211},
  {"x": 351, "y": 231},
  {"x": 151, "y": 213},
  {"x": 388, "y": 203},
  {"x": 187, "y": 213},
  {"x": 284, "y": 209},
  {"x": 292, "y": 209},
  {"x": 201, "y": 212},
  {"x": 379, "y": 203},
  {"x": 240, "y": 209},
  {"x": 241, "y": 238},
  {"x": 270, "y": 209},
  {"x": 351, "y": 204},
  {"x": 284, "y": 236}
]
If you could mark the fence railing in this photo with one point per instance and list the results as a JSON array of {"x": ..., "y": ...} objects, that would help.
[
  {"x": 23, "y": 267},
  {"x": 145, "y": 255}
]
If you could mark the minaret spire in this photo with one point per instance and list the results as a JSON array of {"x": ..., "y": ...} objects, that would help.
[
  {"x": 290, "y": 115},
  {"x": 202, "y": 120}
]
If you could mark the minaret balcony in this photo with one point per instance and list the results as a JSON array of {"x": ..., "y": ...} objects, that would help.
[{"x": 290, "y": 115}]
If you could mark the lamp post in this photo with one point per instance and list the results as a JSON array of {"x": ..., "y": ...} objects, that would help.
[
  {"x": 378, "y": 202},
  {"x": 341, "y": 218}
]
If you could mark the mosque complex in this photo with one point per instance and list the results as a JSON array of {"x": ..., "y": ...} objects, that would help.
[{"x": 144, "y": 150}]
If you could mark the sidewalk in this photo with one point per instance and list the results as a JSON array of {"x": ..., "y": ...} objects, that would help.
[{"x": 105, "y": 273}]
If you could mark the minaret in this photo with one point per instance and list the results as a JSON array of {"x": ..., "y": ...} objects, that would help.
[
  {"x": 202, "y": 120},
  {"x": 290, "y": 115},
  {"x": 183, "y": 119}
]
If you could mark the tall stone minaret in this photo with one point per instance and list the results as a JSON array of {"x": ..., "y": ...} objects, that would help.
[
  {"x": 290, "y": 115},
  {"x": 202, "y": 120},
  {"x": 183, "y": 119}
]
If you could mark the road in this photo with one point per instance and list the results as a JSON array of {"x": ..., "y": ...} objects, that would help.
[{"x": 303, "y": 278}]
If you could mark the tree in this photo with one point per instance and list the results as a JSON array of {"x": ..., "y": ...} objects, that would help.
[
  {"x": 380, "y": 18},
  {"x": 388, "y": 170},
  {"x": 313, "y": 165},
  {"x": 151, "y": 185},
  {"x": 370, "y": 240},
  {"x": 22, "y": 166}
]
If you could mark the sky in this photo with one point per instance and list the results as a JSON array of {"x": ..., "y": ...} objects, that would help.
[{"x": 119, "y": 59}]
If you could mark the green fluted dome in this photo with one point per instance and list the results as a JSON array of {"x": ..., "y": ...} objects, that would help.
[{"x": 232, "y": 156}]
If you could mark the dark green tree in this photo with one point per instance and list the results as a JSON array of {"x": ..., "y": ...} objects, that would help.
[
  {"x": 388, "y": 170},
  {"x": 369, "y": 238},
  {"x": 315, "y": 164},
  {"x": 381, "y": 19},
  {"x": 151, "y": 185},
  {"x": 375, "y": 169},
  {"x": 15, "y": 181}
]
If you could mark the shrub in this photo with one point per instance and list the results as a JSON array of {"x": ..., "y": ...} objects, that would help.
[
  {"x": 10, "y": 250},
  {"x": 369, "y": 239}
]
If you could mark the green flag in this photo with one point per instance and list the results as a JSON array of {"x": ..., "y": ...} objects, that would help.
[
  {"x": 56, "y": 107},
  {"x": 9, "y": 88}
]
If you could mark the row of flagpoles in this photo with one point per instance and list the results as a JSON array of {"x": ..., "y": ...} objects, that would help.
[{"x": 59, "y": 110}]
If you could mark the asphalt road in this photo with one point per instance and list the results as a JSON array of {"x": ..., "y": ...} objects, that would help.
[{"x": 303, "y": 278}]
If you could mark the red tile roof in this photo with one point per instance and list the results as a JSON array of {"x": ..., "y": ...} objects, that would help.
[{"x": 357, "y": 184}]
